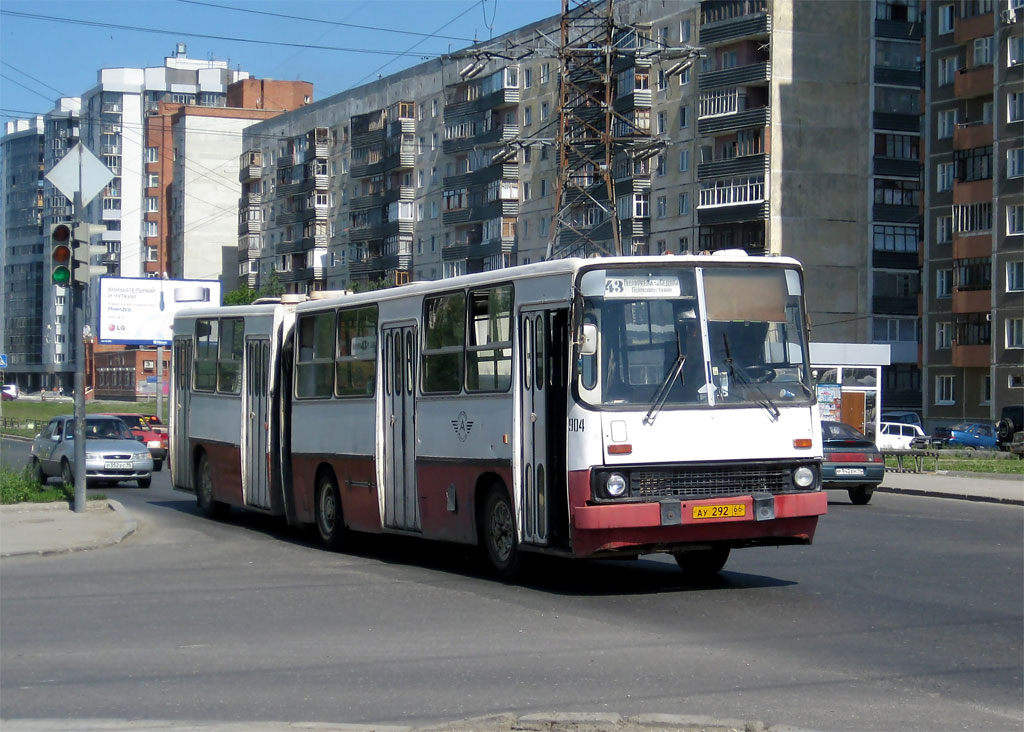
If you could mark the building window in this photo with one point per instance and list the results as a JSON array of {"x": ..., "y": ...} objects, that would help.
[
  {"x": 661, "y": 123},
  {"x": 974, "y": 164},
  {"x": 946, "y": 123},
  {"x": 946, "y": 15},
  {"x": 947, "y": 70},
  {"x": 684, "y": 117},
  {"x": 1015, "y": 220},
  {"x": 152, "y": 154},
  {"x": 684, "y": 160},
  {"x": 543, "y": 110},
  {"x": 944, "y": 230},
  {"x": 527, "y": 116},
  {"x": 1015, "y": 276},
  {"x": 889, "y": 238},
  {"x": 944, "y": 389},
  {"x": 684, "y": 31},
  {"x": 151, "y": 228},
  {"x": 944, "y": 177},
  {"x": 662, "y": 207},
  {"x": 1015, "y": 50},
  {"x": 972, "y": 218},
  {"x": 684, "y": 204},
  {"x": 545, "y": 73},
  {"x": 152, "y": 180},
  {"x": 943, "y": 283},
  {"x": 527, "y": 78},
  {"x": 943, "y": 336},
  {"x": 1015, "y": 106},
  {"x": 1015, "y": 162},
  {"x": 983, "y": 51},
  {"x": 152, "y": 204},
  {"x": 1015, "y": 332}
]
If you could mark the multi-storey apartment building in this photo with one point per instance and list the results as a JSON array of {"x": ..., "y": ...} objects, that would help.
[
  {"x": 972, "y": 301},
  {"x": 796, "y": 133},
  {"x": 135, "y": 120}
]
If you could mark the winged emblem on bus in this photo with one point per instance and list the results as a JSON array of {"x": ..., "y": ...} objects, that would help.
[{"x": 463, "y": 426}]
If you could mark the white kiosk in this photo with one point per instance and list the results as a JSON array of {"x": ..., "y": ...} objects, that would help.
[{"x": 849, "y": 382}]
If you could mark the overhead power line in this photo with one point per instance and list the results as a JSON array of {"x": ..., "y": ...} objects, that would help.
[
  {"x": 322, "y": 21},
  {"x": 192, "y": 34}
]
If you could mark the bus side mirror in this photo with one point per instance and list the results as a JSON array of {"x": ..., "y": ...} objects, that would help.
[{"x": 588, "y": 347}]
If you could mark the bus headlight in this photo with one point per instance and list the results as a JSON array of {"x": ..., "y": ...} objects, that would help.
[
  {"x": 615, "y": 486},
  {"x": 803, "y": 477}
]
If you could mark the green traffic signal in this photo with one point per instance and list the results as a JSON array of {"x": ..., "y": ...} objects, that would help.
[{"x": 60, "y": 254}]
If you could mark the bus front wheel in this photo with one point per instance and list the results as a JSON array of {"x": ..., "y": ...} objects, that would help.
[
  {"x": 209, "y": 507},
  {"x": 499, "y": 534},
  {"x": 329, "y": 521},
  {"x": 702, "y": 564}
]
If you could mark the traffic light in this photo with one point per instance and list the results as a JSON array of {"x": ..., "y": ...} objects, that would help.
[
  {"x": 83, "y": 270},
  {"x": 60, "y": 254}
]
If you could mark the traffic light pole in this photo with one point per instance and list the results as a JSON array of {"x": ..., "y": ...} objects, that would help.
[{"x": 77, "y": 323}]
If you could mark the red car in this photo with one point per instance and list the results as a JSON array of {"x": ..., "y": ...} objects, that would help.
[{"x": 149, "y": 429}]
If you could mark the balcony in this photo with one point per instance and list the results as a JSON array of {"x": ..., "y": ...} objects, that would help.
[
  {"x": 966, "y": 30},
  {"x": 896, "y": 122},
  {"x": 758, "y": 117},
  {"x": 285, "y": 161},
  {"x": 750, "y": 75},
  {"x": 894, "y": 214},
  {"x": 249, "y": 172},
  {"x": 744, "y": 165},
  {"x": 250, "y": 199},
  {"x": 248, "y": 227},
  {"x": 899, "y": 29},
  {"x": 970, "y": 83},
  {"x": 972, "y": 356},
  {"x": 315, "y": 212},
  {"x": 371, "y": 232},
  {"x": 287, "y": 217},
  {"x": 367, "y": 170},
  {"x": 972, "y": 134},
  {"x": 975, "y": 191},
  {"x": 755, "y": 25},
  {"x": 732, "y": 214},
  {"x": 369, "y": 138},
  {"x": 972, "y": 301},
  {"x": 897, "y": 77},
  {"x": 363, "y": 203},
  {"x": 896, "y": 167},
  {"x": 894, "y": 305},
  {"x": 972, "y": 247},
  {"x": 494, "y": 100},
  {"x": 894, "y": 260}
]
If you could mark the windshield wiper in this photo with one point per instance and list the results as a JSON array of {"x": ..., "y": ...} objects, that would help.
[
  {"x": 737, "y": 372},
  {"x": 661, "y": 395}
]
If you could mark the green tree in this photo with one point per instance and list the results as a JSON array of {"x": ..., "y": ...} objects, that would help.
[{"x": 245, "y": 295}]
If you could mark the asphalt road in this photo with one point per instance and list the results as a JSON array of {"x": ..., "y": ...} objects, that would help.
[{"x": 906, "y": 614}]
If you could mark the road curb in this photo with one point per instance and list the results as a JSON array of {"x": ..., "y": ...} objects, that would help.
[
  {"x": 947, "y": 494},
  {"x": 128, "y": 526}
]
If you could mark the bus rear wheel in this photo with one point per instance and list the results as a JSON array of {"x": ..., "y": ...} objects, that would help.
[
  {"x": 702, "y": 564},
  {"x": 209, "y": 507},
  {"x": 330, "y": 523},
  {"x": 499, "y": 534}
]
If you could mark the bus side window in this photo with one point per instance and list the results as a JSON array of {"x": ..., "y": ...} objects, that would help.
[
  {"x": 356, "y": 361},
  {"x": 229, "y": 357},
  {"x": 489, "y": 350},
  {"x": 444, "y": 338},
  {"x": 205, "y": 364},
  {"x": 314, "y": 368}
]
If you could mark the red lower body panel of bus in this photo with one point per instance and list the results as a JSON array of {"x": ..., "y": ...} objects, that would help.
[{"x": 742, "y": 520}]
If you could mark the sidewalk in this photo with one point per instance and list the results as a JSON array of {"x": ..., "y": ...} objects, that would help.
[{"x": 53, "y": 528}]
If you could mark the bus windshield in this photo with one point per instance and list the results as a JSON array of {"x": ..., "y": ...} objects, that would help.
[{"x": 692, "y": 336}]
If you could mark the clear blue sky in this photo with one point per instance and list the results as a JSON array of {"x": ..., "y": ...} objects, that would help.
[{"x": 45, "y": 57}]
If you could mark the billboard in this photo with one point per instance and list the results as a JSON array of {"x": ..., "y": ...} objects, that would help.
[{"x": 140, "y": 310}]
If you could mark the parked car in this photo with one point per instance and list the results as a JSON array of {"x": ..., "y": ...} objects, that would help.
[
  {"x": 898, "y": 436},
  {"x": 902, "y": 417},
  {"x": 9, "y": 392},
  {"x": 112, "y": 453},
  {"x": 851, "y": 461},
  {"x": 148, "y": 429},
  {"x": 968, "y": 435}
]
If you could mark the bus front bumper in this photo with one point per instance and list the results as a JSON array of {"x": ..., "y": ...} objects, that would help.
[{"x": 745, "y": 520}]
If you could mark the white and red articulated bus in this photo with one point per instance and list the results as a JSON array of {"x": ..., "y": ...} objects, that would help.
[{"x": 582, "y": 407}]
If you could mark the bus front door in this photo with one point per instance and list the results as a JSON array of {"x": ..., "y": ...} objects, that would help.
[
  {"x": 400, "y": 359},
  {"x": 257, "y": 425},
  {"x": 181, "y": 468},
  {"x": 534, "y": 467}
]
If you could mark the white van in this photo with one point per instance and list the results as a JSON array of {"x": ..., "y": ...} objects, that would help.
[{"x": 897, "y": 436}]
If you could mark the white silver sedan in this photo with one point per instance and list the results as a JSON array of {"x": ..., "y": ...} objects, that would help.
[{"x": 112, "y": 453}]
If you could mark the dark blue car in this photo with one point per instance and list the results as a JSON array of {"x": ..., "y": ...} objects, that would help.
[
  {"x": 968, "y": 435},
  {"x": 851, "y": 461}
]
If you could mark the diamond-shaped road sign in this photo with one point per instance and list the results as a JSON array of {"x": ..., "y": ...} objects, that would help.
[{"x": 80, "y": 170}]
